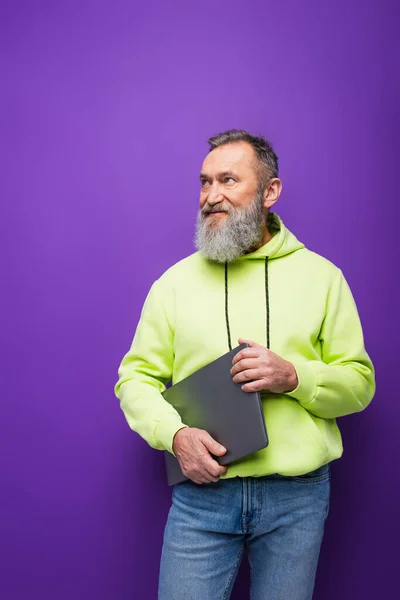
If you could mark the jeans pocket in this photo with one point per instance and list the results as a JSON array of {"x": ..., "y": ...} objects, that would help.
[{"x": 320, "y": 474}]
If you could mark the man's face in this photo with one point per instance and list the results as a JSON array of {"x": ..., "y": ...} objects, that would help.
[
  {"x": 228, "y": 181},
  {"x": 231, "y": 218}
]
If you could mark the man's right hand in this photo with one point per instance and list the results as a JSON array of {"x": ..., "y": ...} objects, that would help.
[{"x": 192, "y": 448}]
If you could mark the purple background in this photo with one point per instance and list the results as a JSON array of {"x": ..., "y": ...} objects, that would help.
[{"x": 106, "y": 109}]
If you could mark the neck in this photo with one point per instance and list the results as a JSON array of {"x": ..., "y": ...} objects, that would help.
[
  {"x": 266, "y": 237},
  {"x": 266, "y": 234}
]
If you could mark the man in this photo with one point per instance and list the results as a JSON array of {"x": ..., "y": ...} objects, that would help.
[{"x": 251, "y": 281}]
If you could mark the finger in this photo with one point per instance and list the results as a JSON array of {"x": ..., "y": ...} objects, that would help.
[
  {"x": 255, "y": 386},
  {"x": 210, "y": 479},
  {"x": 211, "y": 464},
  {"x": 211, "y": 468},
  {"x": 253, "y": 362},
  {"x": 247, "y": 375},
  {"x": 203, "y": 477},
  {"x": 249, "y": 342},
  {"x": 204, "y": 480},
  {"x": 205, "y": 467},
  {"x": 211, "y": 445},
  {"x": 246, "y": 353},
  {"x": 209, "y": 471},
  {"x": 196, "y": 480}
]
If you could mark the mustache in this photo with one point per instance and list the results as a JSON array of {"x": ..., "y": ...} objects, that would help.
[{"x": 211, "y": 209}]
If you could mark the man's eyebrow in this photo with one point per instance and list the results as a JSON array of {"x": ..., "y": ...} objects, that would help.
[{"x": 220, "y": 175}]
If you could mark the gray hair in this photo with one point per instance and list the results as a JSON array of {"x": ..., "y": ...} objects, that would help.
[{"x": 266, "y": 157}]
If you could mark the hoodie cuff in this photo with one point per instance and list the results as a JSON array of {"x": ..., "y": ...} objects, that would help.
[
  {"x": 165, "y": 431},
  {"x": 306, "y": 390}
]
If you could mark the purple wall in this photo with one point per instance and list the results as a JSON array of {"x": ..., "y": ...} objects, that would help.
[{"x": 106, "y": 108}]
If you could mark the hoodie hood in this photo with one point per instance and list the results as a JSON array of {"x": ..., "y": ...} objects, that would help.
[{"x": 282, "y": 243}]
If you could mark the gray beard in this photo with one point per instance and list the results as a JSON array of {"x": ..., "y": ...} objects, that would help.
[{"x": 240, "y": 232}]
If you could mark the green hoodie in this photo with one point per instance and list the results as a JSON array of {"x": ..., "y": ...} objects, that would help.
[{"x": 312, "y": 321}]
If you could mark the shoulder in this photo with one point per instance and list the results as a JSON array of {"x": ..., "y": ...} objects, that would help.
[
  {"x": 180, "y": 270},
  {"x": 314, "y": 261}
]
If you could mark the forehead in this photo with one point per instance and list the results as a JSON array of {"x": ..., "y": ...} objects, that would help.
[{"x": 238, "y": 156}]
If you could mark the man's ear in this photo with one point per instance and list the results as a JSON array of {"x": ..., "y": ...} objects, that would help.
[{"x": 272, "y": 192}]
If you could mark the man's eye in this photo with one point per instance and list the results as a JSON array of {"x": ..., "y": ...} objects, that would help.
[
  {"x": 203, "y": 182},
  {"x": 226, "y": 179}
]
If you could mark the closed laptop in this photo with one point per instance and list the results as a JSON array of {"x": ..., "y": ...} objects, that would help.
[{"x": 209, "y": 399}]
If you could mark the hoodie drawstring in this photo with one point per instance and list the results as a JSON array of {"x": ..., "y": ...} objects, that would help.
[{"x": 266, "y": 305}]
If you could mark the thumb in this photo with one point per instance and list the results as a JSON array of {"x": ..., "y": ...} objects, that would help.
[
  {"x": 212, "y": 445},
  {"x": 249, "y": 342}
]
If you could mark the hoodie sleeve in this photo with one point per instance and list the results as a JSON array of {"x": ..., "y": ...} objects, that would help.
[
  {"x": 343, "y": 381},
  {"x": 144, "y": 373}
]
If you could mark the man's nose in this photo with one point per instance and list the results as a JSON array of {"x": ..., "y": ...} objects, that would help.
[{"x": 215, "y": 196}]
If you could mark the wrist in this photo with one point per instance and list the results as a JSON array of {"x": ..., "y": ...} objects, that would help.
[
  {"x": 176, "y": 437},
  {"x": 293, "y": 380}
]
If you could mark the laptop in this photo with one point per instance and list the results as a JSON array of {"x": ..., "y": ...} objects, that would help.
[{"x": 209, "y": 399}]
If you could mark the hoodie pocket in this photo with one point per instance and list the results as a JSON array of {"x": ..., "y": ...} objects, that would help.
[
  {"x": 293, "y": 431},
  {"x": 316, "y": 432}
]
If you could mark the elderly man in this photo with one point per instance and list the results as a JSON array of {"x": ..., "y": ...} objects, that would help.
[{"x": 251, "y": 281}]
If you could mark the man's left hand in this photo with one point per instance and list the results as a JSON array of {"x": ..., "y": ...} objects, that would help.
[{"x": 261, "y": 369}]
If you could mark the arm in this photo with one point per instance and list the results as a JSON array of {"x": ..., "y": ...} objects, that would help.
[
  {"x": 343, "y": 381},
  {"x": 144, "y": 373}
]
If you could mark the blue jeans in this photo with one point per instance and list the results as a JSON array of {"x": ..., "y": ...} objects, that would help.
[{"x": 279, "y": 519}]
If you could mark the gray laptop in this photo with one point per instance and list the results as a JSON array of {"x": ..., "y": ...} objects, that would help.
[{"x": 210, "y": 400}]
